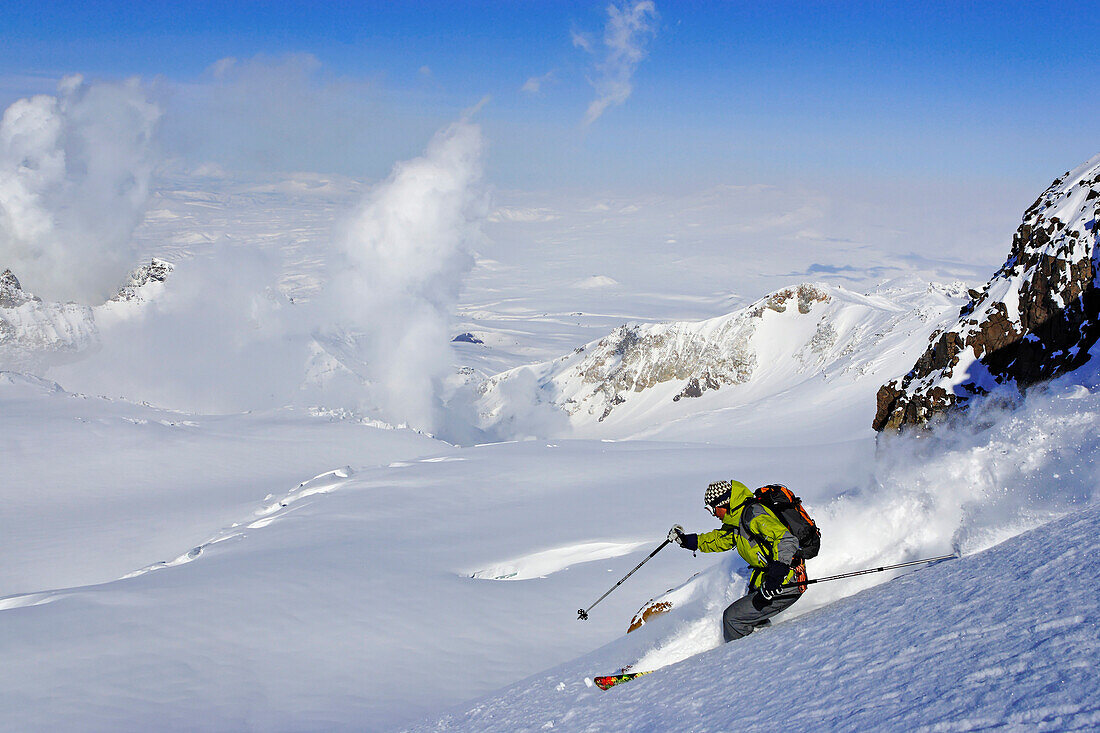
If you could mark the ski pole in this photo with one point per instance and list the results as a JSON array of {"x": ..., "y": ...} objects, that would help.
[
  {"x": 865, "y": 572},
  {"x": 582, "y": 614}
]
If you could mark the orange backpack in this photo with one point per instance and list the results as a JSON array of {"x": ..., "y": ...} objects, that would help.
[{"x": 788, "y": 508}]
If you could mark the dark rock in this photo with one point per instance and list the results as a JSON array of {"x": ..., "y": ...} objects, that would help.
[
  {"x": 467, "y": 338},
  {"x": 1043, "y": 325},
  {"x": 12, "y": 294},
  {"x": 696, "y": 386},
  {"x": 157, "y": 271},
  {"x": 691, "y": 389}
]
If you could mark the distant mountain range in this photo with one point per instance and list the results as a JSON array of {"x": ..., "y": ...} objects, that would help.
[
  {"x": 1036, "y": 318},
  {"x": 800, "y": 341}
]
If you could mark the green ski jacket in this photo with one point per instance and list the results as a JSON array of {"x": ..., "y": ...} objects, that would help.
[{"x": 755, "y": 531}]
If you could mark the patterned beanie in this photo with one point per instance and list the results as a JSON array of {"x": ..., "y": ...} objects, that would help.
[{"x": 718, "y": 494}]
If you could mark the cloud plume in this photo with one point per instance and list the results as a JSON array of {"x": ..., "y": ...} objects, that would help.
[
  {"x": 406, "y": 254},
  {"x": 628, "y": 29},
  {"x": 74, "y": 181}
]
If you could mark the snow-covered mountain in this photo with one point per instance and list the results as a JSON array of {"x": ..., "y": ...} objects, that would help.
[
  {"x": 296, "y": 570},
  {"x": 34, "y": 333},
  {"x": 302, "y": 569},
  {"x": 37, "y": 334},
  {"x": 1037, "y": 317},
  {"x": 651, "y": 374},
  {"x": 269, "y": 587}
]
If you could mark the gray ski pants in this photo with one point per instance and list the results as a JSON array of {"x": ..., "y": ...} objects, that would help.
[{"x": 745, "y": 614}]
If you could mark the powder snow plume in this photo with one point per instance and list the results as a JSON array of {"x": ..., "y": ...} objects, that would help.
[
  {"x": 1006, "y": 466},
  {"x": 406, "y": 254},
  {"x": 74, "y": 180}
]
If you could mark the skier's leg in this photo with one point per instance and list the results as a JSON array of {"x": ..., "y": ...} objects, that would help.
[{"x": 745, "y": 614}]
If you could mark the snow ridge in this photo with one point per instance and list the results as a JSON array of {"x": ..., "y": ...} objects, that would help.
[{"x": 37, "y": 334}]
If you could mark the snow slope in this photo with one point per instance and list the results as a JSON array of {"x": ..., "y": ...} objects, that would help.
[
  {"x": 96, "y": 488},
  {"x": 353, "y": 609},
  {"x": 1007, "y": 638},
  {"x": 363, "y": 598}
]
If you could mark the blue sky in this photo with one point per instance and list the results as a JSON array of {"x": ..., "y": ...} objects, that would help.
[{"x": 726, "y": 91}]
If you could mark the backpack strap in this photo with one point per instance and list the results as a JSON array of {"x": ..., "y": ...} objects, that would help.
[
  {"x": 743, "y": 525},
  {"x": 758, "y": 539}
]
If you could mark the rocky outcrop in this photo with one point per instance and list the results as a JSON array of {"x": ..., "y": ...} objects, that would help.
[
  {"x": 1036, "y": 318},
  {"x": 12, "y": 294},
  {"x": 466, "y": 338},
  {"x": 37, "y": 334},
  {"x": 139, "y": 280}
]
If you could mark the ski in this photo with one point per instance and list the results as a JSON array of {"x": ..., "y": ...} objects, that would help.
[{"x": 611, "y": 680}]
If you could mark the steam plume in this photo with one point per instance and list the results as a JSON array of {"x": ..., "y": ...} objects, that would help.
[
  {"x": 74, "y": 180},
  {"x": 406, "y": 255}
]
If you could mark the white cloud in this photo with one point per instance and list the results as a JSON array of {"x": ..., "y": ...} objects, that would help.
[
  {"x": 222, "y": 67},
  {"x": 219, "y": 339},
  {"x": 74, "y": 180},
  {"x": 283, "y": 113},
  {"x": 534, "y": 84},
  {"x": 628, "y": 29}
]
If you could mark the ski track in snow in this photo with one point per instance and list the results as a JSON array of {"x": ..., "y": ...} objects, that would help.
[{"x": 270, "y": 512}]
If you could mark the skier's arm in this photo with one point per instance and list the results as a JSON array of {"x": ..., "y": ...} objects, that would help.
[
  {"x": 781, "y": 542},
  {"x": 717, "y": 540}
]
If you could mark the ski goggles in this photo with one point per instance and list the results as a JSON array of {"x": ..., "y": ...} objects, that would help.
[{"x": 717, "y": 511}]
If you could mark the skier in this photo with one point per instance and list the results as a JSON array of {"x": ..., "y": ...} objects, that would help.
[{"x": 764, "y": 543}]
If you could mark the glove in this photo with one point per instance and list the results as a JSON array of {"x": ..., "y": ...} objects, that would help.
[
  {"x": 687, "y": 541},
  {"x": 774, "y": 575}
]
